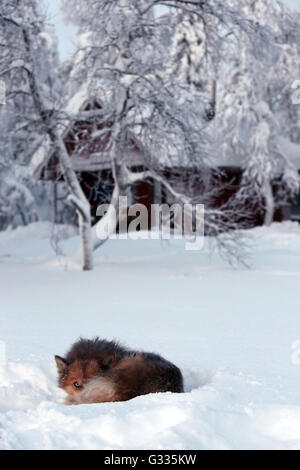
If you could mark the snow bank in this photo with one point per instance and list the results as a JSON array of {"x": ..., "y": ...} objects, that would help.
[{"x": 209, "y": 416}]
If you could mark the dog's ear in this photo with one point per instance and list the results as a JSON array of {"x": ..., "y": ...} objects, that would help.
[
  {"x": 109, "y": 359},
  {"x": 61, "y": 365}
]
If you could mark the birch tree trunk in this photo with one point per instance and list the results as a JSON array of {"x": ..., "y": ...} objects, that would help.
[
  {"x": 269, "y": 204},
  {"x": 77, "y": 196}
]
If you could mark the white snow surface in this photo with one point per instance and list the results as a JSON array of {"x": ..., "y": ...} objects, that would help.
[{"x": 231, "y": 331}]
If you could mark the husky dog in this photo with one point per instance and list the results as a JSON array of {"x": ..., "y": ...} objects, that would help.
[{"x": 96, "y": 371}]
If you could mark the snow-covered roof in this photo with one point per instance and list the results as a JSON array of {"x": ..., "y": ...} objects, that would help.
[{"x": 76, "y": 104}]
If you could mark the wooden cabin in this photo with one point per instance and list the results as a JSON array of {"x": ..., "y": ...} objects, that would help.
[{"x": 91, "y": 161}]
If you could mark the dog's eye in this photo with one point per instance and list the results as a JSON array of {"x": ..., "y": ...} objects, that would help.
[{"x": 76, "y": 385}]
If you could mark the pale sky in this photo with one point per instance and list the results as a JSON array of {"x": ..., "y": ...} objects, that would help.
[{"x": 67, "y": 34}]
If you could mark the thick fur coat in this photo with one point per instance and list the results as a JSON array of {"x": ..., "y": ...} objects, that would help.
[{"x": 96, "y": 371}]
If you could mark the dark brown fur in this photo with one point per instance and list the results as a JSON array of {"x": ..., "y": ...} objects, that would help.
[{"x": 105, "y": 371}]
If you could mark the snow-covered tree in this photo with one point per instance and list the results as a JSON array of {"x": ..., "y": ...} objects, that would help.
[
  {"x": 20, "y": 128},
  {"x": 130, "y": 54},
  {"x": 125, "y": 58},
  {"x": 255, "y": 109},
  {"x": 24, "y": 35},
  {"x": 196, "y": 54}
]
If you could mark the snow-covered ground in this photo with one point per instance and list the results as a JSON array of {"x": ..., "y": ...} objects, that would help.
[{"x": 232, "y": 331}]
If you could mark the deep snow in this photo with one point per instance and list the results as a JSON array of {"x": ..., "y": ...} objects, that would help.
[{"x": 230, "y": 330}]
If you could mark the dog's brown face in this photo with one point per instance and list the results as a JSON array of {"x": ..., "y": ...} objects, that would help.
[{"x": 72, "y": 377}]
